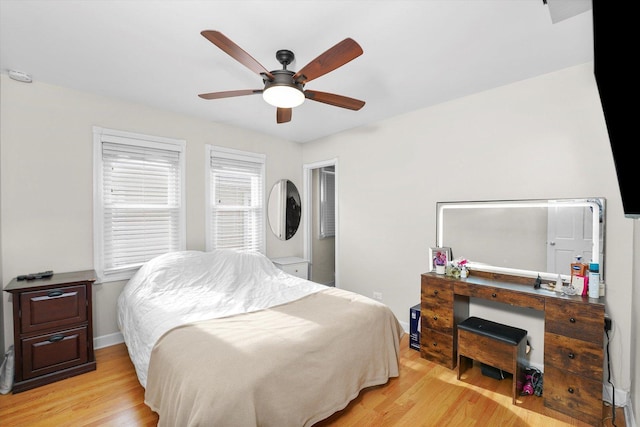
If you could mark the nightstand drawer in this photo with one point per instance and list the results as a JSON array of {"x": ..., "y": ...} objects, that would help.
[
  {"x": 295, "y": 266},
  {"x": 53, "y": 308},
  {"x": 49, "y": 353},
  {"x": 298, "y": 269}
]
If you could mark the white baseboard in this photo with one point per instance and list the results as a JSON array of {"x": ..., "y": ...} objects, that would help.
[
  {"x": 405, "y": 326},
  {"x": 629, "y": 420},
  {"x": 623, "y": 399},
  {"x": 107, "y": 340},
  {"x": 622, "y": 396}
]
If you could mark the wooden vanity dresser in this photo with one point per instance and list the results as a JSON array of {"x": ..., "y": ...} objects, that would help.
[{"x": 573, "y": 334}]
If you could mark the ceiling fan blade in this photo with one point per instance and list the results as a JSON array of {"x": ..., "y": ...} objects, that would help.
[
  {"x": 229, "y": 93},
  {"x": 236, "y": 52},
  {"x": 283, "y": 115},
  {"x": 335, "y": 100},
  {"x": 331, "y": 59}
]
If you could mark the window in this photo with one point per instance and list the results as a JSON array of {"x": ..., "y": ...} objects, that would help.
[
  {"x": 327, "y": 202},
  {"x": 138, "y": 200},
  {"x": 235, "y": 200}
]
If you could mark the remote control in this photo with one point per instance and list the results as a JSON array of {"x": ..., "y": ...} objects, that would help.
[{"x": 33, "y": 276}]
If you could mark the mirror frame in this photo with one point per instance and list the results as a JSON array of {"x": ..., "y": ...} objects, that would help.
[
  {"x": 597, "y": 204},
  {"x": 277, "y": 205}
]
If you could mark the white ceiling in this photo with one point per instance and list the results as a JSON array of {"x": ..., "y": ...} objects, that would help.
[{"x": 416, "y": 53}]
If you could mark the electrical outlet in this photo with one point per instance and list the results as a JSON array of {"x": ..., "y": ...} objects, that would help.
[{"x": 377, "y": 295}]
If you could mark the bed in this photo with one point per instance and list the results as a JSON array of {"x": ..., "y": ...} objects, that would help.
[{"x": 226, "y": 338}]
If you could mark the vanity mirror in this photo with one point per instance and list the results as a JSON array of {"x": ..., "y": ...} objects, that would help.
[
  {"x": 524, "y": 237},
  {"x": 284, "y": 209}
]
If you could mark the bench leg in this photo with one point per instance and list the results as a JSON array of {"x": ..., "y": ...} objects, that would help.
[{"x": 464, "y": 363}]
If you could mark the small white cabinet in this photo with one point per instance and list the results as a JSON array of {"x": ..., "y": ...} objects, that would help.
[{"x": 296, "y": 266}]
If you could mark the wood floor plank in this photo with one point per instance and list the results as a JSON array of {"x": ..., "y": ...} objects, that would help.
[{"x": 425, "y": 394}]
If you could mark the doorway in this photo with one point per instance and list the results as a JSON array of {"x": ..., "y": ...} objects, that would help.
[{"x": 320, "y": 217}]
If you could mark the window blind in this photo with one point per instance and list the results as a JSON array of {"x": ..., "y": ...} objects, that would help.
[
  {"x": 327, "y": 203},
  {"x": 236, "y": 214},
  {"x": 142, "y": 202}
]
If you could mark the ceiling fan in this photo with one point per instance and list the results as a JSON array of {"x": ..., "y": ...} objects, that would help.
[{"x": 284, "y": 88}]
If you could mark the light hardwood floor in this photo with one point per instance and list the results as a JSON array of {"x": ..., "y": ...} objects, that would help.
[{"x": 424, "y": 394}]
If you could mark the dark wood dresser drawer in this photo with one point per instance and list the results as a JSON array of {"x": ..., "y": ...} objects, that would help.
[
  {"x": 49, "y": 353},
  {"x": 502, "y": 295},
  {"x": 440, "y": 319},
  {"x": 53, "y": 308},
  {"x": 575, "y": 320},
  {"x": 436, "y": 292},
  {"x": 574, "y": 395},
  {"x": 438, "y": 348},
  {"x": 573, "y": 355}
]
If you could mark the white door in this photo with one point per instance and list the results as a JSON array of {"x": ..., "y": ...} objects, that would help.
[{"x": 569, "y": 234}]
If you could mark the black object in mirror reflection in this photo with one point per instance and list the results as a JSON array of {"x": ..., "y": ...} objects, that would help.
[{"x": 285, "y": 209}]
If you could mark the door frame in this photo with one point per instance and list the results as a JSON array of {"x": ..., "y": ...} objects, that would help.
[{"x": 307, "y": 205}]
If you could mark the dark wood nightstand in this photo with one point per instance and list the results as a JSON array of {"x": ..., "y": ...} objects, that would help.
[{"x": 52, "y": 328}]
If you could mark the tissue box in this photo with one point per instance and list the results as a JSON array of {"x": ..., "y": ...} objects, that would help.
[
  {"x": 580, "y": 284},
  {"x": 414, "y": 327}
]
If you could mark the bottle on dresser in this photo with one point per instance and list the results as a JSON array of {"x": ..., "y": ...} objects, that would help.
[
  {"x": 579, "y": 276},
  {"x": 594, "y": 280}
]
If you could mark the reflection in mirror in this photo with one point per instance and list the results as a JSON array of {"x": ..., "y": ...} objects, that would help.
[
  {"x": 524, "y": 237},
  {"x": 284, "y": 209}
]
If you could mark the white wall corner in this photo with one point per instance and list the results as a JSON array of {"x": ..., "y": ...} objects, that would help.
[{"x": 622, "y": 399}]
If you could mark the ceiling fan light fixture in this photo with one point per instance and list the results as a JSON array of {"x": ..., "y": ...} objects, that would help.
[
  {"x": 283, "y": 96},
  {"x": 284, "y": 88}
]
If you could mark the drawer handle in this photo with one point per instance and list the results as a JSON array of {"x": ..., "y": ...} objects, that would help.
[
  {"x": 572, "y": 356},
  {"x": 494, "y": 295},
  {"x": 435, "y": 317},
  {"x": 435, "y": 292},
  {"x": 572, "y": 320},
  {"x": 56, "y": 338},
  {"x": 570, "y": 390},
  {"x": 435, "y": 344},
  {"x": 55, "y": 293}
]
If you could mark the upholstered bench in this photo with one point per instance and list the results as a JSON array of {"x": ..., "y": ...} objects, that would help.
[{"x": 494, "y": 344}]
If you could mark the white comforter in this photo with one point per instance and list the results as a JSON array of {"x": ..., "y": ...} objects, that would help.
[{"x": 184, "y": 287}]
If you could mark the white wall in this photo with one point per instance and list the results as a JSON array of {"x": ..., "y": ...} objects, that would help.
[
  {"x": 540, "y": 138},
  {"x": 2, "y": 347},
  {"x": 47, "y": 180},
  {"x": 635, "y": 325}
]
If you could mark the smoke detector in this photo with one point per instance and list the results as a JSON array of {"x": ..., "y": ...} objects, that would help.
[{"x": 20, "y": 76}]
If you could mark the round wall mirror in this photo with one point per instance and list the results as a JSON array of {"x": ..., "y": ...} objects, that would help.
[{"x": 285, "y": 209}]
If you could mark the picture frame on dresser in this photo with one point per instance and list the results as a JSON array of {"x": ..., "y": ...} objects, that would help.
[{"x": 440, "y": 255}]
